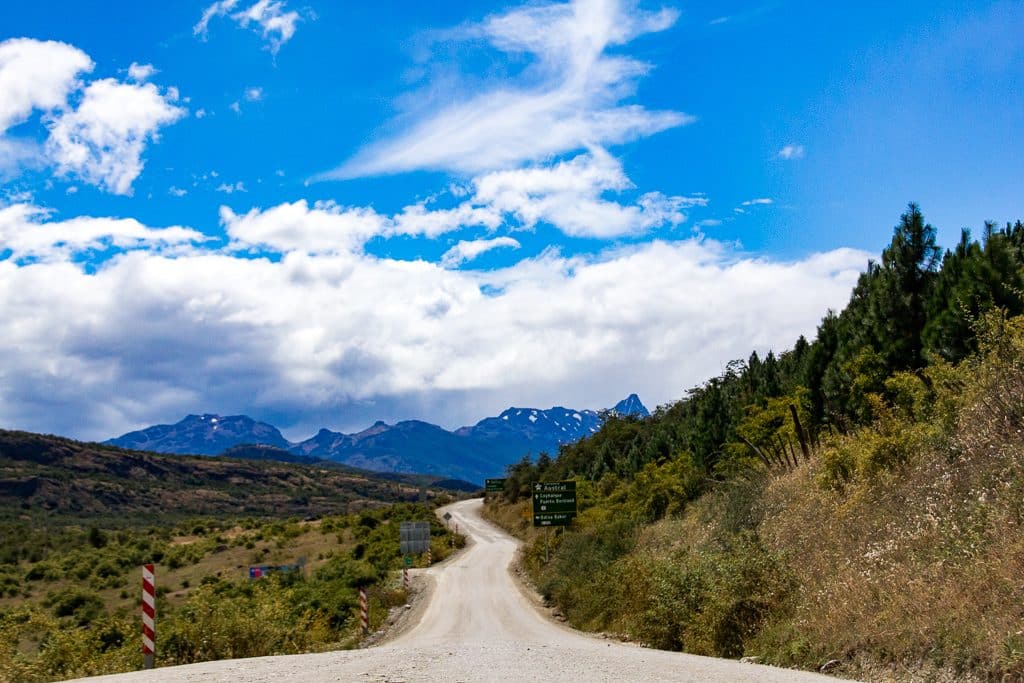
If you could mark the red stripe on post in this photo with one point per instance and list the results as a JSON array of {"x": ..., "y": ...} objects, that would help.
[
  {"x": 364, "y": 612},
  {"x": 148, "y": 615}
]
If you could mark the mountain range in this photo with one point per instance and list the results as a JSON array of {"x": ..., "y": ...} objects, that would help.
[{"x": 470, "y": 453}]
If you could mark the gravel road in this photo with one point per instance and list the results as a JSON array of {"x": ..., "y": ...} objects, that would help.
[{"x": 478, "y": 626}]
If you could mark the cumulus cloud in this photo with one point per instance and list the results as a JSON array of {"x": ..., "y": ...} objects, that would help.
[
  {"x": 334, "y": 336},
  {"x": 467, "y": 250},
  {"x": 792, "y": 152},
  {"x": 100, "y": 135},
  {"x": 141, "y": 72},
  {"x": 269, "y": 17},
  {"x": 570, "y": 97},
  {"x": 254, "y": 94},
  {"x": 102, "y": 140},
  {"x": 27, "y": 234},
  {"x": 37, "y": 75},
  {"x": 325, "y": 227}
]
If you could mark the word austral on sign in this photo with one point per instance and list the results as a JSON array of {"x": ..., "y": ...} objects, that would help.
[{"x": 554, "y": 503}]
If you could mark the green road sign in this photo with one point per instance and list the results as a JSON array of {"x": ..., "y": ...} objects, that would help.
[
  {"x": 494, "y": 485},
  {"x": 554, "y": 503},
  {"x": 408, "y": 561}
]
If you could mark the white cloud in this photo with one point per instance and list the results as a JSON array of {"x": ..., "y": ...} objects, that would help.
[
  {"x": 141, "y": 72},
  {"x": 254, "y": 94},
  {"x": 200, "y": 113},
  {"x": 709, "y": 223},
  {"x": 227, "y": 188},
  {"x": 98, "y": 137},
  {"x": 37, "y": 75},
  {"x": 419, "y": 220},
  {"x": 176, "y": 191},
  {"x": 467, "y": 250},
  {"x": 15, "y": 155},
  {"x": 103, "y": 139},
  {"x": 235, "y": 107},
  {"x": 338, "y": 338},
  {"x": 325, "y": 228},
  {"x": 569, "y": 98},
  {"x": 762, "y": 201},
  {"x": 26, "y": 231},
  {"x": 792, "y": 152},
  {"x": 569, "y": 196},
  {"x": 268, "y": 17}
]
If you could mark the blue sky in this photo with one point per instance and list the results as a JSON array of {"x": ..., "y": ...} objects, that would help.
[{"x": 323, "y": 215}]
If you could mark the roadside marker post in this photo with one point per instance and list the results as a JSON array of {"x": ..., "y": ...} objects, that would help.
[
  {"x": 148, "y": 616},
  {"x": 430, "y": 557},
  {"x": 364, "y": 612},
  {"x": 405, "y": 578}
]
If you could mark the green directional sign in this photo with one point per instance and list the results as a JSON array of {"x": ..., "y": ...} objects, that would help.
[
  {"x": 494, "y": 486},
  {"x": 554, "y": 503}
]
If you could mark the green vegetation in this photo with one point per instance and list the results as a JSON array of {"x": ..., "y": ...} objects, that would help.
[
  {"x": 54, "y": 481},
  {"x": 857, "y": 498},
  {"x": 70, "y": 595}
]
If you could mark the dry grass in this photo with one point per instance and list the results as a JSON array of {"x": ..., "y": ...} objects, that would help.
[{"x": 915, "y": 571}]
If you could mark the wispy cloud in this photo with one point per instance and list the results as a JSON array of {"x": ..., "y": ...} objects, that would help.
[
  {"x": 268, "y": 17},
  {"x": 763, "y": 201},
  {"x": 792, "y": 152},
  {"x": 467, "y": 250},
  {"x": 231, "y": 188},
  {"x": 568, "y": 99},
  {"x": 28, "y": 233}
]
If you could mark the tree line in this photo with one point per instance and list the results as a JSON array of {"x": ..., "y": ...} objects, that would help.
[{"x": 914, "y": 307}]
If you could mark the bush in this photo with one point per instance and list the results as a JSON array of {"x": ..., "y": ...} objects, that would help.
[{"x": 80, "y": 604}]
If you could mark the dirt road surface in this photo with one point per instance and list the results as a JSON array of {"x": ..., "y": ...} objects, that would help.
[{"x": 478, "y": 626}]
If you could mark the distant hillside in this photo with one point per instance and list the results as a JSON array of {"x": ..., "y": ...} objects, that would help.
[
  {"x": 202, "y": 435},
  {"x": 469, "y": 453},
  {"x": 52, "y": 476}
]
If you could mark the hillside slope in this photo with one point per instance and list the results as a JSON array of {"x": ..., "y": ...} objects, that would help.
[
  {"x": 55, "y": 477},
  {"x": 894, "y": 550}
]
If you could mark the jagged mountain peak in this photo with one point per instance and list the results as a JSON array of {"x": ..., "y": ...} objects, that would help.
[{"x": 631, "y": 405}]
